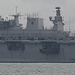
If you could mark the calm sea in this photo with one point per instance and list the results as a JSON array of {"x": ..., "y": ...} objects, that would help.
[{"x": 37, "y": 68}]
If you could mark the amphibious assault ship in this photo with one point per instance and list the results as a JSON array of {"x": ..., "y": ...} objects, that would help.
[{"x": 35, "y": 43}]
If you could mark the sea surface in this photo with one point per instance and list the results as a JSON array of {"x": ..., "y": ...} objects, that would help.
[{"x": 37, "y": 68}]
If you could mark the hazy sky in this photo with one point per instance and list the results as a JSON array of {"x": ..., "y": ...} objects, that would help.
[{"x": 44, "y": 8}]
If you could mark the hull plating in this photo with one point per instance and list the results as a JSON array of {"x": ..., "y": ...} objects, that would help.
[{"x": 30, "y": 52}]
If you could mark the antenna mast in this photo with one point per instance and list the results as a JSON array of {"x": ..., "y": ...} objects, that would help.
[
  {"x": 69, "y": 24},
  {"x": 16, "y": 9}
]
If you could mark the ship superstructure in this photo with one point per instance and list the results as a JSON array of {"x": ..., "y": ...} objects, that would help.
[
  {"x": 58, "y": 22},
  {"x": 34, "y": 43}
]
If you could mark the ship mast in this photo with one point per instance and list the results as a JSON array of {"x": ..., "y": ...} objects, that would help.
[
  {"x": 57, "y": 21},
  {"x": 16, "y": 17},
  {"x": 16, "y": 9},
  {"x": 58, "y": 11}
]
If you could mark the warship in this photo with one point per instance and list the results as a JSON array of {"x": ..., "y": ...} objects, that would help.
[{"x": 35, "y": 44}]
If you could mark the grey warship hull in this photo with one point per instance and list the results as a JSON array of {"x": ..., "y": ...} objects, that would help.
[{"x": 34, "y": 52}]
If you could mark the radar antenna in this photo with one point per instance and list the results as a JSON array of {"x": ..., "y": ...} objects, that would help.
[{"x": 58, "y": 11}]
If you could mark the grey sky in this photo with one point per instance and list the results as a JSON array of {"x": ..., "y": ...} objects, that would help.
[{"x": 44, "y": 8}]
